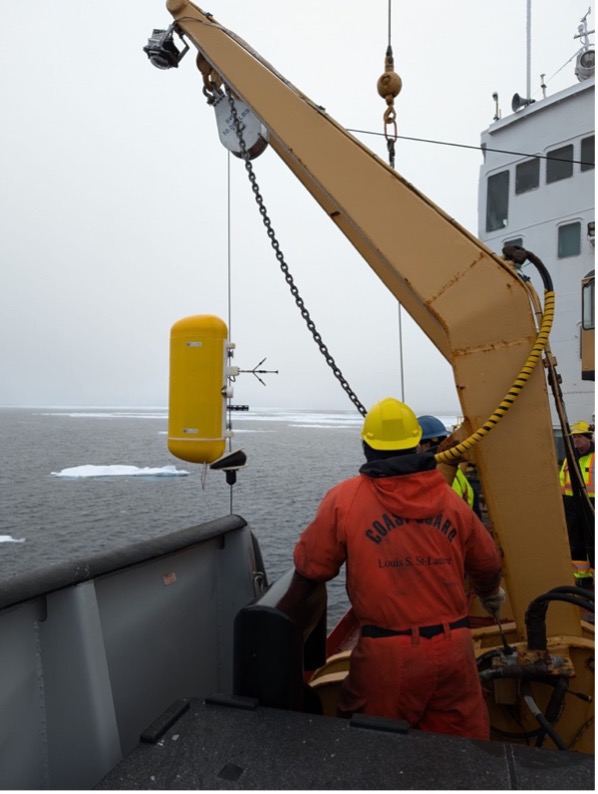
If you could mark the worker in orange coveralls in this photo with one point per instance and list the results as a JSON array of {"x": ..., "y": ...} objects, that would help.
[{"x": 408, "y": 540}]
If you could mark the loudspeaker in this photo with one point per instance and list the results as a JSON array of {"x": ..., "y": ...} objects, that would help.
[{"x": 519, "y": 102}]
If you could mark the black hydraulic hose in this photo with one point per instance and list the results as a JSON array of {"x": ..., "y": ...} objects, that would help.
[
  {"x": 535, "y": 615},
  {"x": 583, "y": 505},
  {"x": 526, "y": 691},
  {"x": 523, "y": 672},
  {"x": 526, "y": 673},
  {"x": 518, "y": 255},
  {"x": 485, "y": 657},
  {"x": 483, "y": 674},
  {"x": 575, "y": 591},
  {"x": 554, "y": 379},
  {"x": 555, "y": 705},
  {"x": 578, "y": 601}
]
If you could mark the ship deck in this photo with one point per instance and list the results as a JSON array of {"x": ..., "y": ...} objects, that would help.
[{"x": 233, "y": 743}]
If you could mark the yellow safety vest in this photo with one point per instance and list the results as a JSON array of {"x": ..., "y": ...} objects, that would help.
[
  {"x": 586, "y": 464},
  {"x": 581, "y": 568},
  {"x": 463, "y": 487}
]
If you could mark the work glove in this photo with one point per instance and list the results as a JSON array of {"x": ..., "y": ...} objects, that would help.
[{"x": 493, "y": 603}]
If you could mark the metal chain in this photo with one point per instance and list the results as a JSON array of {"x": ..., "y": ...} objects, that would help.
[
  {"x": 391, "y": 136},
  {"x": 239, "y": 127}
]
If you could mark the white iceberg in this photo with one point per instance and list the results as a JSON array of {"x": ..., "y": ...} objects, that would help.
[{"x": 120, "y": 471}]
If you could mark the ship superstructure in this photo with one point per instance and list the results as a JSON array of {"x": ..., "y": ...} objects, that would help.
[{"x": 537, "y": 190}]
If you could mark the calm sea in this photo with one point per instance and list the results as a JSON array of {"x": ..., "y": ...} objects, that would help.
[{"x": 74, "y": 482}]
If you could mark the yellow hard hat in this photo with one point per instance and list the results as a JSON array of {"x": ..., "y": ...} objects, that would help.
[
  {"x": 390, "y": 424},
  {"x": 581, "y": 428}
]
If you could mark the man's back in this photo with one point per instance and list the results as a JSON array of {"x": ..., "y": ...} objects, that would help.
[{"x": 408, "y": 540}]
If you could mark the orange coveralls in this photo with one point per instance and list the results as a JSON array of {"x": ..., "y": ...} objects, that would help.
[{"x": 408, "y": 541}]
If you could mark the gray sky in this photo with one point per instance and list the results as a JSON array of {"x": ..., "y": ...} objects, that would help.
[{"x": 113, "y": 191}]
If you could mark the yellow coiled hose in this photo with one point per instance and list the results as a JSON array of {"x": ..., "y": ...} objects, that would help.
[{"x": 454, "y": 453}]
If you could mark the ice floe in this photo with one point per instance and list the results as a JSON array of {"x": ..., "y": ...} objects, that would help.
[{"x": 120, "y": 471}]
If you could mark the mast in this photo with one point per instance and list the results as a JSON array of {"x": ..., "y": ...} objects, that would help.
[{"x": 528, "y": 84}]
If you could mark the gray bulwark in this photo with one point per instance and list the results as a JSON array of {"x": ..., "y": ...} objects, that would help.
[{"x": 216, "y": 746}]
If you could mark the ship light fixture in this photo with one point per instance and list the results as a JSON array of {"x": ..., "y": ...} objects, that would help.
[
  {"x": 586, "y": 62},
  {"x": 161, "y": 49}
]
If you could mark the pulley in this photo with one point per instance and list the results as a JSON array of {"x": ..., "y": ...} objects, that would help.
[{"x": 255, "y": 135}]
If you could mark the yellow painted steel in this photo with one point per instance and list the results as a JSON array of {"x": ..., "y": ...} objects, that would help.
[
  {"x": 516, "y": 388},
  {"x": 328, "y": 679},
  {"x": 197, "y": 402}
]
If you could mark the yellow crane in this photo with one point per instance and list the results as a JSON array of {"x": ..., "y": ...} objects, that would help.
[{"x": 477, "y": 312}]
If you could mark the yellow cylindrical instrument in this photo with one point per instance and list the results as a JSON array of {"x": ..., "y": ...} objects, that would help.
[{"x": 197, "y": 389}]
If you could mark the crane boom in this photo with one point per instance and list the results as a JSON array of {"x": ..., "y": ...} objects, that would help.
[{"x": 468, "y": 301}]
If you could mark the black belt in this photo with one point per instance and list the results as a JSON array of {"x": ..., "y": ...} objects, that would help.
[{"x": 424, "y": 631}]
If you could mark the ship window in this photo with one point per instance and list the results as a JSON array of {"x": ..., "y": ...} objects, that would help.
[
  {"x": 527, "y": 175},
  {"x": 515, "y": 241},
  {"x": 569, "y": 240},
  {"x": 559, "y": 163},
  {"x": 497, "y": 201},
  {"x": 587, "y": 153},
  {"x": 587, "y": 303}
]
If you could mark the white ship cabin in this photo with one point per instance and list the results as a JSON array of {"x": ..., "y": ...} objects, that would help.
[{"x": 537, "y": 190}]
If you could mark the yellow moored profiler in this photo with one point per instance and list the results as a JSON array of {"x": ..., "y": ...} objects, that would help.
[{"x": 197, "y": 390}]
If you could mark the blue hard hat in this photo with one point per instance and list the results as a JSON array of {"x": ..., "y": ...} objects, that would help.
[{"x": 431, "y": 428}]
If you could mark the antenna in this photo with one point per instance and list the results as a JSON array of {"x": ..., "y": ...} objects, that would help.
[
  {"x": 496, "y": 107},
  {"x": 518, "y": 102},
  {"x": 528, "y": 81},
  {"x": 586, "y": 57},
  {"x": 255, "y": 371}
]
